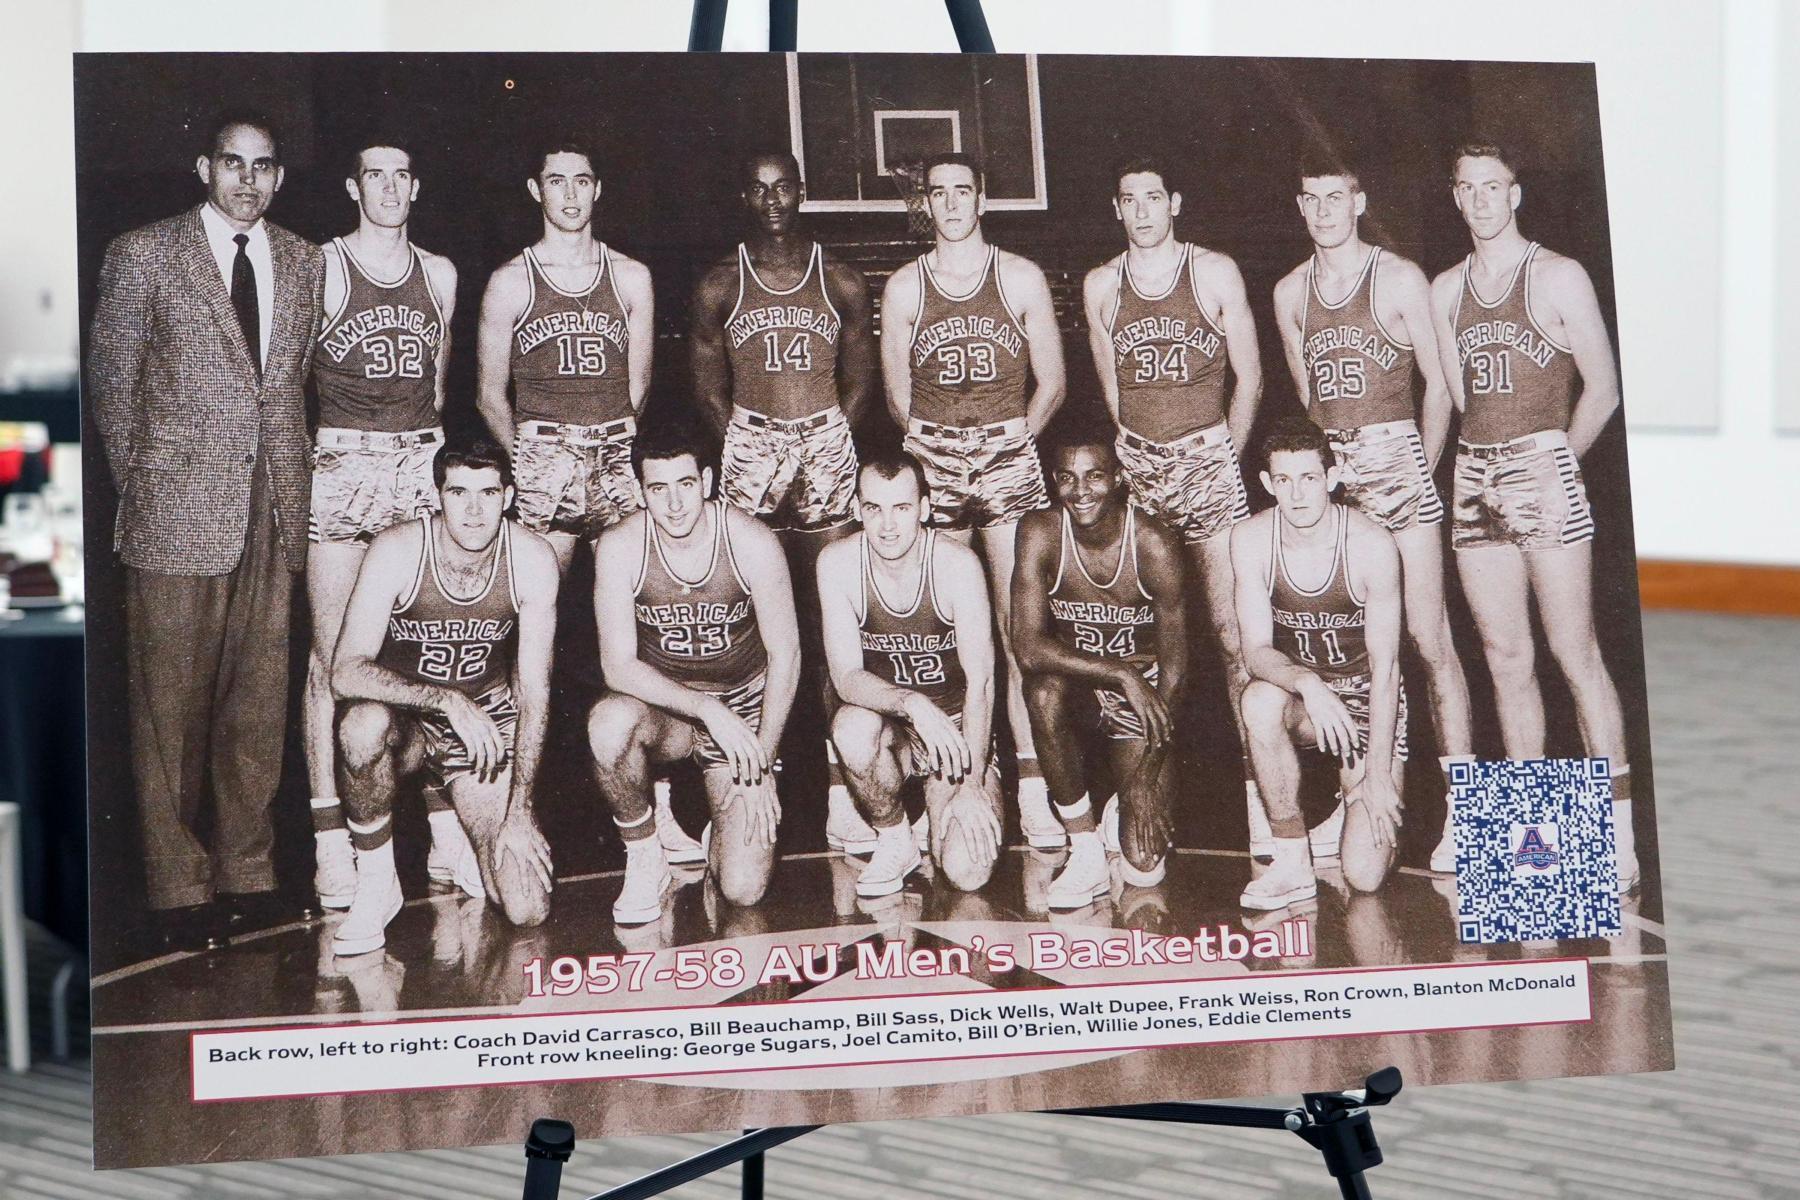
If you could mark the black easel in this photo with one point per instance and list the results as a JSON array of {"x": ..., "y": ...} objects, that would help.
[{"x": 1336, "y": 1124}]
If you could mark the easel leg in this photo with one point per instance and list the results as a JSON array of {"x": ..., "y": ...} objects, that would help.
[{"x": 753, "y": 1174}]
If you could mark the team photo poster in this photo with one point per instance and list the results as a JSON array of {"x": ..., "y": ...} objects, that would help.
[{"x": 694, "y": 592}]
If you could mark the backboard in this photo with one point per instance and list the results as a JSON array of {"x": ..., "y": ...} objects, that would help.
[{"x": 853, "y": 117}]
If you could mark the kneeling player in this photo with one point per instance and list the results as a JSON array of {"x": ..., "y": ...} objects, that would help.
[
  {"x": 444, "y": 664},
  {"x": 910, "y": 646},
  {"x": 1101, "y": 634},
  {"x": 699, "y": 644},
  {"x": 1318, "y": 599}
]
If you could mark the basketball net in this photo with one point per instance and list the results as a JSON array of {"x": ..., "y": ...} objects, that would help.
[{"x": 909, "y": 181}]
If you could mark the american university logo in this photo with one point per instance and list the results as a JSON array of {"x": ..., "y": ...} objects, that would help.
[{"x": 1534, "y": 849}]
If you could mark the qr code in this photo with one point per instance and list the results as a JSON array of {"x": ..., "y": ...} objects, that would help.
[{"x": 1535, "y": 857}]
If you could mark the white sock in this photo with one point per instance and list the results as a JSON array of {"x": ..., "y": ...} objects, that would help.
[
  {"x": 1292, "y": 852},
  {"x": 1075, "y": 811}
]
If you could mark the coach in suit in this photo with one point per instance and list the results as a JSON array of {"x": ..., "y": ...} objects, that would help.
[{"x": 201, "y": 339}]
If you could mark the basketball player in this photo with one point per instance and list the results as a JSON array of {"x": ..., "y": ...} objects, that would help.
[
  {"x": 784, "y": 367},
  {"x": 1355, "y": 321},
  {"x": 1520, "y": 331},
  {"x": 909, "y": 635},
  {"x": 569, "y": 322},
  {"x": 699, "y": 645},
  {"x": 1168, "y": 321},
  {"x": 378, "y": 370},
  {"x": 972, "y": 360},
  {"x": 1101, "y": 630},
  {"x": 1318, "y": 598},
  {"x": 444, "y": 665}
]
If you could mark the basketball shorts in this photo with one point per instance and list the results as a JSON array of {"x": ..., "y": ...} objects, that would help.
[
  {"x": 980, "y": 476},
  {"x": 1117, "y": 719},
  {"x": 363, "y": 482},
  {"x": 1526, "y": 493},
  {"x": 793, "y": 474},
  {"x": 915, "y": 759},
  {"x": 1386, "y": 475},
  {"x": 746, "y": 701},
  {"x": 575, "y": 479},
  {"x": 445, "y": 755},
  {"x": 1354, "y": 692},
  {"x": 1192, "y": 485}
]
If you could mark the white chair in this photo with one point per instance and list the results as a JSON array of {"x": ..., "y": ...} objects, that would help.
[{"x": 12, "y": 942}]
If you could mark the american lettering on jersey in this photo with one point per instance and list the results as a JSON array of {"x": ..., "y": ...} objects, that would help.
[
  {"x": 694, "y": 613},
  {"x": 454, "y": 629},
  {"x": 909, "y": 643},
  {"x": 539, "y": 330},
  {"x": 382, "y": 318},
  {"x": 1353, "y": 337},
  {"x": 1095, "y": 612},
  {"x": 1166, "y": 329},
  {"x": 945, "y": 330},
  {"x": 1319, "y": 620},
  {"x": 1509, "y": 334},
  {"x": 801, "y": 318}
]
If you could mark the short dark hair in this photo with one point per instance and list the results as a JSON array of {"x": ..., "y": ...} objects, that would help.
[
  {"x": 775, "y": 154},
  {"x": 564, "y": 143},
  {"x": 1322, "y": 162},
  {"x": 477, "y": 454},
  {"x": 668, "y": 441},
  {"x": 891, "y": 464},
  {"x": 1074, "y": 432},
  {"x": 1294, "y": 435},
  {"x": 231, "y": 118},
  {"x": 954, "y": 158},
  {"x": 354, "y": 164},
  {"x": 1485, "y": 147},
  {"x": 1144, "y": 164}
]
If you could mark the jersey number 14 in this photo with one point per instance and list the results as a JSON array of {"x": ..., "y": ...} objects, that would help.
[{"x": 797, "y": 356}]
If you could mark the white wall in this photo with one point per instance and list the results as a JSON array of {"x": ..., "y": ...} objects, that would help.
[
  {"x": 1688, "y": 96},
  {"x": 37, "y": 193},
  {"x": 1688, "y": 107}
]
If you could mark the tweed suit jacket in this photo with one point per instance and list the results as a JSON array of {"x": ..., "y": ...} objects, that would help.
[{"x": 176, "y": 398}]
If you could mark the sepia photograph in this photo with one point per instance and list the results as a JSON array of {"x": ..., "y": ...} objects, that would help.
[{"x": 705, "y": 592}]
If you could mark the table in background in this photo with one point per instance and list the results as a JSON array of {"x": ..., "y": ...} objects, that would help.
[{"x": 43, "y": 763}]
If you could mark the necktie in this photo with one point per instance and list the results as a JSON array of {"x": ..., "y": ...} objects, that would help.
[{"x": 243, "y": 298}]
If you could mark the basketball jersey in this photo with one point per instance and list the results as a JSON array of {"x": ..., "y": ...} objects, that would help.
[
  {"x": 569, "y": 350},
  {"x": 969, "y": 361},
  {"x": 1107, "y": 620},
  {"x": 1168, "y": 356},
  {"x": 376, "y": 361},
  {"x": 915, "y": 647},
  {"x": 783, "y": 343},
  {"x": 1357, "y": 373},
  {"x": 435, "y": 637},
  {"x": 1324, "y": 628},
  {"x": 1516, "y": 381},
  {"x": 700, "y": 633}
]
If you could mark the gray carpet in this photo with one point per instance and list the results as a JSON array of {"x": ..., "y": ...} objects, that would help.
[{"x": 1726, "y": 715}]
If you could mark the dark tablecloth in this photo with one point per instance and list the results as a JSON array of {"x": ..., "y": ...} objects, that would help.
[{"x": 43, "y": 764}]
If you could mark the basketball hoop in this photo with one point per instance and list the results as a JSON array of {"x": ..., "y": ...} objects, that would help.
[{"x": 909, "y": 181}]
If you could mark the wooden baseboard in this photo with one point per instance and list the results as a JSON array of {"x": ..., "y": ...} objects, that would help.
[{"x": 1720, "y": 587}]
